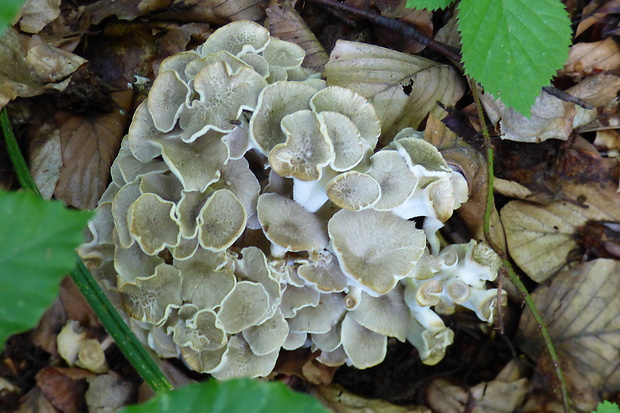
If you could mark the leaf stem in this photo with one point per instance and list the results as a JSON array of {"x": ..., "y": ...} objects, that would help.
[
  {"x": 126, "y": 340},
  {"x": 512, "y": 275}
]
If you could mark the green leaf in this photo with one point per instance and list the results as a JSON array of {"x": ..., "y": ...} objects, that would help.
[
  {"x": 37, "y": 241},
  {"x": 241, "y": 395},
  {"x": 428, "y": 4},
  {"x": 8, "y": 11},
  {"x": 514, "y": 47},
  {"x": 607, "y": 407}
]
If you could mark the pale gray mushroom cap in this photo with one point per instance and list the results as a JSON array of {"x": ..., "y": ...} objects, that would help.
[
  {"x": 375, "y": 249},
  {"x": 202, "y": 331},
  {"x": 345, "y": 138},
  {"x": 243, "y": 307},
  {"x": 283, "y": 54},
  {"x": 240, "y": 361},
  {"x": 142, "y": 133},
  {"x": 131, "y": 263},
  {"x": 166, "y": 98},
  {"x": 231, "y": 61},
  {"x": 319, "y": 319},
  {"x": 126, "y": 168},
  {"x": 152, "y": 223},
  {"x": 364, "y": 348},
  {"x": 387, "y": 314},
  {"x": 289, "y": 225},
  {"x": 323, "y": 272},
  {"x": 221, "y": 221},
  {"x": 238, "y": 37},
  {"x": 353, "y": 190},
  {"x": 178, "y": 62},
  {"x": 274, "y": 103},
  {"x": 397, "y": 182},
  {"x": 268, "y": 336},
  {"x": 307, "y": 149},
  {"x": 356, "y": 107},
  {"x": 295, "y": 298}
]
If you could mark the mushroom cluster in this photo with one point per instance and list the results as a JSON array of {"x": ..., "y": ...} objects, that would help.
[{"x": 250, "y": 211}]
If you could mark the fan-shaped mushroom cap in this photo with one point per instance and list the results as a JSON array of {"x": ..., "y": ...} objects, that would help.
[
  {"x": 319, "y": 319},
  {"x": 237, "y": 141},
  {"x": 397, "y": 182},
  {"x": 458, "y": 291},
  {"x": 332, "y": 358},
  {"x": 221, "y": 221},
  {"x": 294, "y": 340},
  {"x": 202, "y": 361},
  {"x": 283, "y": 54},
  {"x": 238, "y": 37},
  {"x": 200, "y": 332},
  {"x": 243, "y": 307},
  {"x": 387, "y": 314},
  {"x": 329, "y": 341},
  {"x": 149, "y": 299},
  {"x": 253, "y": 266},
  {"x": 268, "y": 336},
  {"x": 131, "y": 263},
  {"x": 240, "y": 361},
  {"x": 166, "y": 185},
  {"x": 364, "y": 348},
  {"x": 223, "y": 97},
  {"x": 346, "y": 140},
  {"x": 166, "y": 98},
  {"x": 296, "y": 298},
  {"x": 207, "y": 278},
  {"x": 186, "y": 248},
  {"x": 178, "y": 62},
  {"x": 289, "y": 225},
  {"x": 353, "y": 190},
  {"x": 231, "y": 61},
  {"x": 196, "y": 164},
  {"x": 256, "y": 62},
  {"x": 237, "y": 177},
  {"x": 142, "y": 133},
  {"x": 274, "y": 103},
  {"x": 417, "y": 151},
  {"x": 152, "y": 223},
  {"x": 126, "y": 168},
  {"x": 322, "y": 271},
  {"x": 356, "y": 107},
  {"x": 375, "y": 249},
  {"x": 307, "y": 148},
  {"x": 188, "y": 209}
]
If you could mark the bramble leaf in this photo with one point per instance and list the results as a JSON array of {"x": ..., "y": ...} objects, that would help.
[
  {"x": 428, "y": 4},
  {"x": 37, "y": 241},
  {"x": 8, "y": 11},
  {"x": 514, "y": 47},
  {"x": 240, "y": 395},
  {"x": 607, "y": 407}
]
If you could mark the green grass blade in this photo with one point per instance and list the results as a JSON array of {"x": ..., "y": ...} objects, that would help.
[{"x": 128, "y": 343}]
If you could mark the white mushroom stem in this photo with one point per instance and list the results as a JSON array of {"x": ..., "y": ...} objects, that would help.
[{"x": 353, "y": 298}]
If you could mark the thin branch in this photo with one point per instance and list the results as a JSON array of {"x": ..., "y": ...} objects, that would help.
[{"x": 527, "y": 298}]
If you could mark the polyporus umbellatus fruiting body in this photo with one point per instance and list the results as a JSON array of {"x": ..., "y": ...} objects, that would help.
[{"x": 209, "y": 267}]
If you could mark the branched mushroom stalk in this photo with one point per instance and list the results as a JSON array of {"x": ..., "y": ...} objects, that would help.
[{"x": 224, "y": 264}]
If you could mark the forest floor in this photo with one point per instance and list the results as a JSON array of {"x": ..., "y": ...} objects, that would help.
[{"x": 557, "y": 201}]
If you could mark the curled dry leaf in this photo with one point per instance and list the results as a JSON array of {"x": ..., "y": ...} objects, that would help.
[
  {"x": 581, "y": 309},
  {"x": 36, "y": 14},
  {"x": 587, "y": 58},
  {"x": 286, "y": 24},
  {"x": 339, "y": 400},
  {"x": 89, "y": 145}
]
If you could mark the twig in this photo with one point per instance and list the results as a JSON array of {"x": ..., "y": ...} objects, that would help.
[
  {"x": 527, "y": 298},
  {"x": 113, "y": 323},
  {"x": 567, "y": 97}
]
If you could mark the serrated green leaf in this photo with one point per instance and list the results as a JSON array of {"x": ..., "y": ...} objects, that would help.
[
  {"x": 428, "y": 4},
  {"x": 514, "y": 47},
  {"x": 8, "y": 11},
  {"x": 607, "y": 407},
  {"x": 37, "y": 242},
  {"x": 241, "y": 395}
]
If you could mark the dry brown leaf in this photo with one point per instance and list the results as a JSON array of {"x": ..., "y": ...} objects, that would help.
[
  {"x": 45, "y": 160},
  {"x": 36, "y": 14},
  {"x": 587, "y": 58},
  {"x": 44, "y": 335},
  {"x": 63, "y": 387},
  {"x": 286, "y": 24},
  {"x": 340, "y": 400},
  {"x": 215, "y": 12},
  {"x": 598, "y": 90},
  {"x": 108, "y": 393},
  {"x": 89, "y": 145},
  {"x": 581, "y": 308},
  {"x": 35, "y": 402}
]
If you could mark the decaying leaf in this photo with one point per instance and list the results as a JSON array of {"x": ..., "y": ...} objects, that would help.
[
  {"x": 36, "y": 14},
  {"x": 581, "y": 309},
  {"x": 89, "y": 145},
  {"x": 339, "y": 400},
  {"x": 404, "y": 89},
  {"x": 587, "y": 58}
]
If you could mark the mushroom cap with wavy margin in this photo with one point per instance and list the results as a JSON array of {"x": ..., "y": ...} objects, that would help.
[
  {"x": 166, "y": 99},
  {"x": 238, "y": 37},
  {"x": 364, "y": 348},
  {"x": 220, "y": 221},
  {"x": 397, "y": 182},
  {"x": 245, "y": 306},
  {"x": 152, "y": 223},
  {"x": 387, "y": 314},
  {"x": 375, "y": 249},
  {"x": 267, "y": 337},
  {"x": 322, "y": 271},
  {"x": 353, "y": 190}
]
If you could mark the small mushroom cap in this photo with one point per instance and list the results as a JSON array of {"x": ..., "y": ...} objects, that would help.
[
  {"x": 223, "y": 98},
  {"x": 375, "y": 248},
  {"x": 353, "y": 190},
  {"x": 428, "y": 293},
  {"x": 323, "y": 272},
  {"x": 345, "y": 138},
  {"x": 356, "y": 107},
  {"x": 126, "y": 168},
  {"x": 166, "y": 185},
  {"x": 203, "y": 361},
  {"x": 142, "y": 133},
  {"x": 196, "y": 164},
  {"x": 283, "y": 54},
  {"x": 178, "y": 62},
  {"x": 152, "y": 223},
  {"x": 186, "y": 248},
  {"x": 188, "y": 209},
  {"x": 294, "y": 340},
  {"x": 149, "y": 299},
  {"x": 387, "y": 314},
  {"x": 166, "y": 97},
  {"x": 207, "y": 278},
  {"x": 307, "y": 148},
  {"x": 363, "y": 347},
  {"x": 334, "y": 358},
  {"x": 296, "y": 298},
  {"x": 319, "y": 319},
  {"x": 253, "y": 266},
  {"x": 237, "y": 177},
  {"x": 458, "y": 291},
  {"x": 329, "y": 341},
  {"x": 417, "y": 151},
  {"x": 240, "y": 361},
  {"x": 289, "y": 225},
  {"x": 238, "y": 37},
  {"x": 274, "y": 103},
  {"x": 221, "y": 221},
  {"x": 131, "y": 263},
  {"x": 200, "y": 332},
  {"x": 268, "y": 336},
  {"x": 231, "y": 61},
  {"x": 243, "y": 307},
  {"x": 397, "y": 182}
]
